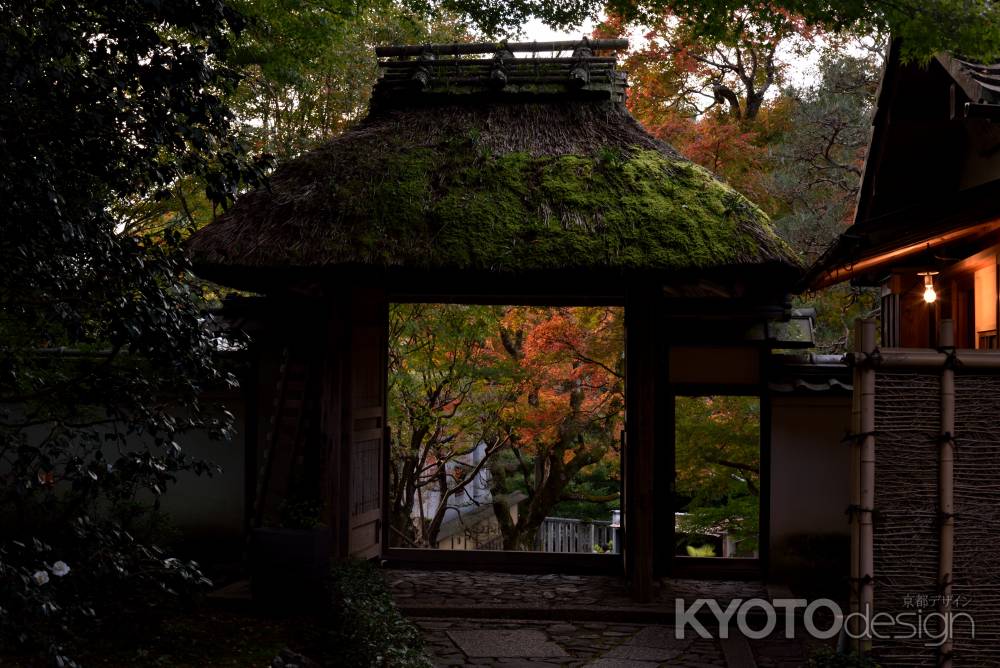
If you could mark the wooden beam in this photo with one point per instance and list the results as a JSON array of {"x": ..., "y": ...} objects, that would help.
[
  {"x": 463, "y": 49},
  {"x": 926, "y": 358},
  {"x": 485, "y": 65},
  {"x": 664, "y": 473},
  {"x": 846, "y": 271},
  {"x": 335, "y": 458},
  {"x": 983, "y": 258},
  {"x": 855, "y": 503},
  {"x": 764, "y": 444}
]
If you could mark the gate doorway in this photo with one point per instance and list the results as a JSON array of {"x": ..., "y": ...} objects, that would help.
[
  {"x": 716, "y": 463},
  {"x": 505, "y": 435}
]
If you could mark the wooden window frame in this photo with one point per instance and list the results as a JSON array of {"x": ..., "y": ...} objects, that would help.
[{"x": 669, "y": 564}]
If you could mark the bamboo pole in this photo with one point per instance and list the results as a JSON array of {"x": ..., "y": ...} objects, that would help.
[
  {"x": 867, "y": 471},
  {"x": 927, "y": 359},
  {"x": 855, "y": 476},
  {"x": 946, "y": 479}
]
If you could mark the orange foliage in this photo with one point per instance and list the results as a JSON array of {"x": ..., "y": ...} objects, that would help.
[
  {"x": 669, "y": 89},
  {"x": 570, "y": 368}
]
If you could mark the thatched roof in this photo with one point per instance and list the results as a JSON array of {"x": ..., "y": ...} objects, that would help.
[{"x": 508, "y": 181}]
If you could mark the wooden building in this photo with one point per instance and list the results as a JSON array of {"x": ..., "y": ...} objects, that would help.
[
  {"x": 929, "y": 209},
  {"x": 926, "y": 436},
  {"x": 492, "y": 174}
]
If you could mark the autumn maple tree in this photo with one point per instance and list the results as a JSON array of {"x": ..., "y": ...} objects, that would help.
[
  {"x": 710, "y": 97},
  {"x": 530, "y": 399},
  {"x": 567, "y": 416},
  {"x": 792, "y": 141},
  {"x": 728, "y": 101}
]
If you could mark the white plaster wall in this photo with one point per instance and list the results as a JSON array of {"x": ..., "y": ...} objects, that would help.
[
  {"x": 211, "y": 508},
  {"x": 810, "y": 466},
  {"x": 209, "y": 511}
]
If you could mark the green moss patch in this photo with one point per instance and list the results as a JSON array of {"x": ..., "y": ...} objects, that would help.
[
  {"x": 647, "y": 210},
  {"x": 503, "y": 188}
]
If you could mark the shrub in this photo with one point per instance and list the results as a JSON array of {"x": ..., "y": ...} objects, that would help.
[
  {"x": 367, "y": 628},
  {"x": 703, "y": 551},
  {"x": 58, "y": 596}
]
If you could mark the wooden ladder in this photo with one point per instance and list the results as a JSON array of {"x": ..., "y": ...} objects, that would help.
[{"x": 284, "y": 444}]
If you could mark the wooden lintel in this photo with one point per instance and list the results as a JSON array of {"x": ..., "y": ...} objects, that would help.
[{"x": 486, "y": 64}]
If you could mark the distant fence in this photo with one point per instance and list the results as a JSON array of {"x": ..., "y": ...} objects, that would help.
[{"x": 566, "y": 535}]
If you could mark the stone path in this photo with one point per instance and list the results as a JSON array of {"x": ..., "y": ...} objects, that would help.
[
  {"x": 532, "y": 642},
  {"x": 464, "y": 593},
  {"x": 503, "y": 619}
]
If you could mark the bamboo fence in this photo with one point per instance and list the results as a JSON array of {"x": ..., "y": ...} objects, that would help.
[{"x": 925, "y": 498}]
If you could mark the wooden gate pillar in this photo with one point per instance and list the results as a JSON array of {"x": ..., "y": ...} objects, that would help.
[{"x": 643, "y": 381}]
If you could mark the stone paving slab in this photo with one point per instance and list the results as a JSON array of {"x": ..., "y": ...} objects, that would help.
[
  {"x": 487, "y": 594},
  {"x": 608, "y": 644},
  {"x": 503, "y": 619},
  {"x": 639, "y": 653},
  {"x": 737, "y": 653},
  {"x": 663, "y": 637},
  {"x": 526, "y": 643}
]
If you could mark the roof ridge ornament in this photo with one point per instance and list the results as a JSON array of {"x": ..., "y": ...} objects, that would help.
[
  {"x": 498, "y": 73},
  {"x": 417, "y": 74},
  {"x": 580, "y": 74}
]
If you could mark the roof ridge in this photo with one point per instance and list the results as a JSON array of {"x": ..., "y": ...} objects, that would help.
[{"x": 418, "y": 74}]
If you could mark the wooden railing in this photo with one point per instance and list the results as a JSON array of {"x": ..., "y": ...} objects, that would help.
[{"x": 566, "y": 535}]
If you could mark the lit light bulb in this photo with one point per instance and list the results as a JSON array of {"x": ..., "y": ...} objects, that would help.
[{"x": 930, "y": 296}]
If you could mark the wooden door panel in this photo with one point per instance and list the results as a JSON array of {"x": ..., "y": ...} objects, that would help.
[{"x": 367, "y": 424}]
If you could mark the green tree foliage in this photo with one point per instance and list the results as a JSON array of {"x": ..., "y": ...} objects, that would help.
[
  {"x": 305, "y": 73},
  {"x": 446, "y": 395},
  {"x": 972, "y": 27},
  {"x": 718, "y": 466},
  {"x": 818, "y": 159},
  {"x": 309, "y": 67},
  {"x": 104, "y": 349},
  {"x": 816, "y": 165}
]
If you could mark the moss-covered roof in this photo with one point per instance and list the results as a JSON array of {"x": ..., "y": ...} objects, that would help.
[{"x": 497, "y": 186}]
